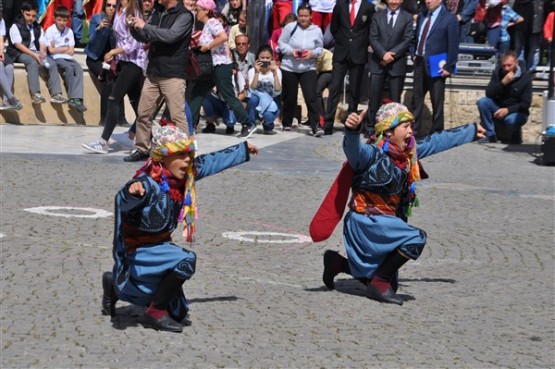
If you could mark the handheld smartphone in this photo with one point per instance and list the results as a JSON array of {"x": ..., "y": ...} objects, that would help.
[
  {"x": 298, "y": 53},
  {"x": 265, "y": 64}
]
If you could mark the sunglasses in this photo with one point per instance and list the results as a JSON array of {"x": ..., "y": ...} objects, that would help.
[
  {"x": 241, "y": 43},
  {"x": 110, "y": 5}
]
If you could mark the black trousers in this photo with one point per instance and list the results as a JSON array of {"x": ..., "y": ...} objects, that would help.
[
  {"x": 421, "y": 85},
  {"x": 128, "y": 82},
  {"x": 377, "y": 83},
  {"x": 290, "y": 86},
  {"x": 340, "y": 70}
]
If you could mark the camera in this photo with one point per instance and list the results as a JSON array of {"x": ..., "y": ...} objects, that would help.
[
  {"x": 265, "y": 64},
  {"x": 130, "y": 21}
]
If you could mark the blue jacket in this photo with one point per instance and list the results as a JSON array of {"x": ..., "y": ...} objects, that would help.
[
  {"x": 374, "y": 171},
  {"x": 99, "y": 41},
  {"x": 156, "y": 213},
  {"x": 443, "y": 37}
]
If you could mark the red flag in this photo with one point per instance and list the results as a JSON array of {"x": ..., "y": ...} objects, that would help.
[{"x": 92, "y": 7}]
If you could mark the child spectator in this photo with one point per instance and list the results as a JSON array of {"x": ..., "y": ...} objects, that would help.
[
  {"x": 264, "y": 88},
  {"x": 274, "y": 38},
  {"x": 6, "y": 74},
  {"x": 27, "y": 45},
  {"x": 239, "y": 29},
  {"x": 61, "y": 45},
  {"x": 149, "y": 268}
]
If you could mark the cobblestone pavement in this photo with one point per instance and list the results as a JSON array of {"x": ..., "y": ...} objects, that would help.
[{"x": 481, "y": 296}]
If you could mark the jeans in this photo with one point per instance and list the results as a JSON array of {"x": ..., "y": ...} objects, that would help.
[
  {"x": 77, "y": 20},
  {"x": 214, "y": 107},
  {"x": 513, "y": 121},
  {"x": 268, "y": 117}
]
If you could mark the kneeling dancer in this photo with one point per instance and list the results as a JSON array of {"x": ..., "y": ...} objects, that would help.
[
  {"x": 149, "y": 268},
  {"x": 382, "y": 175}
]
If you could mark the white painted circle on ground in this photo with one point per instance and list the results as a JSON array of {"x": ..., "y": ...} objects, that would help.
[
  {"x": 267, "y": 237},
  {"x": 2, "y": 235},
  {"x": 69, "y": 212}
]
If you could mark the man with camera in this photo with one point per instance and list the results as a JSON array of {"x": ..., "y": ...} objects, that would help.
[{"x": 168, "y": 35}]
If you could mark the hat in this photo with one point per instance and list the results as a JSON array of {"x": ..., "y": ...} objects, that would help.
[
  {"x": 390, "y": 115},
  {"x": 167, "y": 139},
  {"x": 207, "y": 4}
]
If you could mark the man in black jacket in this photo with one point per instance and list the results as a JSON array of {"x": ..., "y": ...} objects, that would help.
[
  {"x": 507, "y": 101},
  {"x": 168, "y": 35},
  {"x": 391, "y": 36},
  {"x": 350, "y": 27}
]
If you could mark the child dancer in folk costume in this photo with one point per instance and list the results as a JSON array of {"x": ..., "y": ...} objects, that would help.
[
  {"x": 149, "y": 268},
  {"x": 382, "y": 176}
]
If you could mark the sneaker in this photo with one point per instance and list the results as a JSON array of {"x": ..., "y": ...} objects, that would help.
[
  {"x": 286, "y": 129},
  {"x": 97, "y": 146},
  {"x": 247, "y": 131},
  {"x": 58, "y": 99},
  {"x": 136, "y": 155},
  {"x": 38, "y": 98},
  {"x": 229, "y": 130},
  {"x": 210, "y": 128},
  {"x": 14, "y": 103},
  {"x": 318, "y": 132},
  {"x": 486, "y": 140},
  {"x": 5, "y": 106},
  {"x": 78, "y": 105}
]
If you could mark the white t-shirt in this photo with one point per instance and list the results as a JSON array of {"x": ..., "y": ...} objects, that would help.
[
  {"x": 2, "y": 28},
  {"x": 16, "y": 38},
  {"x": 61, "y": 39},
  {"x": 265, "y": 82}
]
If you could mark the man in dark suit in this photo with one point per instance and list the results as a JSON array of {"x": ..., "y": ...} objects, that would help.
[
  {"x": 437, "y": 33},
  {"x": 391, "y": 35},
  {"x": 350, "y": 27}
]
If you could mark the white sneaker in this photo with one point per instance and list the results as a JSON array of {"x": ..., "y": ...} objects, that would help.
[{"x": 97, "y": 146}]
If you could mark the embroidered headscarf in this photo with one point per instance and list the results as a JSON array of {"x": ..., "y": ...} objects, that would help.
[
  {"x": 389, "y": 116},
  {"x": 167, "y": 140}
]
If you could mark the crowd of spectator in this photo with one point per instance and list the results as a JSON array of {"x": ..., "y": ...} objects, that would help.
[{"x": 314, "y": 47}]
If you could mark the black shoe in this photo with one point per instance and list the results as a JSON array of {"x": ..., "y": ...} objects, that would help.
[
  {"x": 330, "y": 268},
  {"x": 109, "y": 297},
  {"x": 136, "y": 155},
  {"x": 166, "y": 323},
  {"x": 388, "y": 296},
  {"x": 229, "y": 130},
  {"x": 485, "y": 140},
  {"x": 269, "y": 132},
  {"x": 186, "y": 322},
  {"x": 247, "y": 131},
  {"x": 328, "y": 133},
  {"x": 210, "y": 128},
  {"x": 305, "y": 123}
]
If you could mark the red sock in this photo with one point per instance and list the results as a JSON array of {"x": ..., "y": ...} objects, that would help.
[
  {"x": 380, "y": 284},
  {"x": 155, "y": 313}
]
